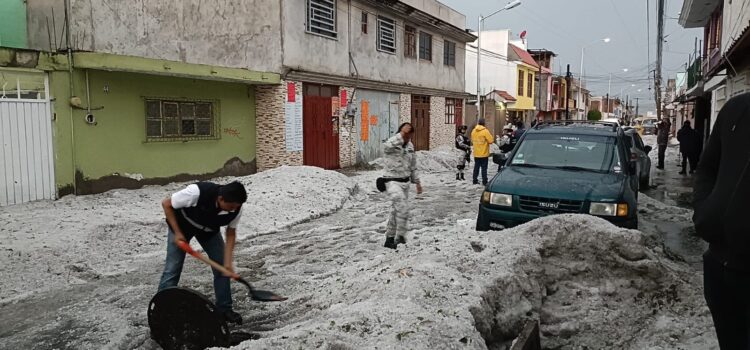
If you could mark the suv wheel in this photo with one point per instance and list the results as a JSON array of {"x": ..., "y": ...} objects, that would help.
[
  {"x": 645, "y": 182},
  {"x": 482, "y": 223}
]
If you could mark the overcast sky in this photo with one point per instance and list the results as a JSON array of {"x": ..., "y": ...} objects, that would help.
[{"x": 563, "y": 26}]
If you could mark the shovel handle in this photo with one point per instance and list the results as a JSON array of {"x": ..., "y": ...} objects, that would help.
[{"x": 185, "y": 246}]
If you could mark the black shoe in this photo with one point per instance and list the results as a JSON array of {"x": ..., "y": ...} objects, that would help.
[
  {"x": 462, "y": 177},
  {"x": 390, "y": 243},
  {"x": 400, "y": 240},
  {"x": 476, "y": 182},
  {"x": 232, "y": 317},
  {"x": 683, "y": 172}
]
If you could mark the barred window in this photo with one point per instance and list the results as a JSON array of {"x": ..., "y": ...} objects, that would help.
[
  {"x": 520, "y": 83},
  {"x": 425, "y": 46},
  {"x": 449, "y": 53},
  {"x": 321, "y": 17},
  {"x": 169, "y": 119},
  {"x": 410, "y": 42},
  {"x": 386, "y": 35}
]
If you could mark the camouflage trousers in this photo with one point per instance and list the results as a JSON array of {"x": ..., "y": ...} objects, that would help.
[
  {"x": 461, "y": 162},
  {"x": 398, "y": 221}
]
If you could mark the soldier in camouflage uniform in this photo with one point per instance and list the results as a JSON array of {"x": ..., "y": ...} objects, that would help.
[{"x": 400, "y": 171}]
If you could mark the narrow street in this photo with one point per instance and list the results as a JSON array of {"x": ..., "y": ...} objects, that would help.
[
  {"x": 302, "y": 262},
  {"x": 673, "y": 189}
]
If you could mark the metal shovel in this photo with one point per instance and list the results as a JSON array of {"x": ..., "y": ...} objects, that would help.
[{"x": 258, "y": 295}]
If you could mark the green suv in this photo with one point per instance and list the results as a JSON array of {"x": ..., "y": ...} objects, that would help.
[{"x": 572, "y": 167}]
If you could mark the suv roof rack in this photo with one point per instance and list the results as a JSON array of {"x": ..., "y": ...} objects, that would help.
[{"x": 613, "y": 125}]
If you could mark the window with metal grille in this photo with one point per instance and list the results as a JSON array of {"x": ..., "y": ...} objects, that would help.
[
  {"x": 425, "y": 46},
  {"x": 449, "y": 53},
  {"x": 364, "y": 22},
  {"x": 450, "y": 111},
  {"x": 170, "y": 119},
  {"x": 321, "y": 17},
  {"x": 386, "y": 35},
  {"x": 410, "y": 42},
  {"x": 520, "y": 83},
  {"x": 530, "y": 86}
]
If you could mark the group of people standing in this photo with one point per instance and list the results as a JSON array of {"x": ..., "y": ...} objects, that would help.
[
  {"x": 484, "y": 145},
  {"x": 690, "y": 145}
]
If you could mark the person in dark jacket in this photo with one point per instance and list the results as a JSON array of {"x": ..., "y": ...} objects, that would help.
[
  {"x": 464, "y": 144},
  {"x": 520, "y": 130},
  {"x": 662, "y": 139},
  {"x": 199, "y": 211},
  {"x": 721, "y": 193},
  {"x": 689, "y": 147}
]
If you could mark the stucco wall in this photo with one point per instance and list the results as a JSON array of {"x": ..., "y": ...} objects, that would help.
[
  {"x": 114, "y": 152},
  {"x": 271, "y": 127},
  {"x": 240, "y": 34},
  {"x": 310, "y": 52}
]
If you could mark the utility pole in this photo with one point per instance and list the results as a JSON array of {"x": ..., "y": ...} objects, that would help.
[
  {"x": 659, "y": 52},
  {"x": 636, "y": 107},
  {"x": 567, "y": 93}
]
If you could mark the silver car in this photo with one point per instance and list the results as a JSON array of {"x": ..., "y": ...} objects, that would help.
[{"x": 639, "y": 153}]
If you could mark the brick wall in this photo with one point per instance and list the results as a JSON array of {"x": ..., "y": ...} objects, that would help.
[
  {"x": 347, "y": 134},
  {"x": 441, "y": 134},
  {"x": 404, "y": 106},
  {"x": 270, "y": 127}
]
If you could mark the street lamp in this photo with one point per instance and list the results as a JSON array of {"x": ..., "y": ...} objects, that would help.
[
  {"x": 604, "y": 40},
  {"x": 508, "y": 6}
]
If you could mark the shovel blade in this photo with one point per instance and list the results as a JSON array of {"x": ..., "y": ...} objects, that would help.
[
  {"x": 261, "y": 295},
  {"x": 264, "y": 295}
]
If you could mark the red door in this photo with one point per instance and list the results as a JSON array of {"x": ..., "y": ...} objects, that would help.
[
  {"x": 321, "y": 138},
  {"x": 420, "y": 118}
]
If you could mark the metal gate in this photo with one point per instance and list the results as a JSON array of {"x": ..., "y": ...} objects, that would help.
[
  {"x": 420, "y": 118},
  {"x": 380, "y": 122},
  {"x": 26, "y": 158}
]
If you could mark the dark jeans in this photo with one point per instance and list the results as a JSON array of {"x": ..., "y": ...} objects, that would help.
[
  {"x": 689, "y": 158},
  {"x": 214, "y": 246},
  {"x": 480, "y": 163},
  {"x": 727, "y": 294},
  {"x": 662, "y": 152}
]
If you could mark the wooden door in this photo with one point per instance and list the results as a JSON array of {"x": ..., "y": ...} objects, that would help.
[
  {"x": 321, "y": 141},
  {"x": 420, "y": 118}
]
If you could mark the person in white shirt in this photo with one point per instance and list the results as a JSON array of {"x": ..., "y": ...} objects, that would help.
[{"x": 199, "y": 211}]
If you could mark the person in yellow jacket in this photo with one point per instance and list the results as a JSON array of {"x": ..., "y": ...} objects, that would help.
[{"x": 481, "y": 138}]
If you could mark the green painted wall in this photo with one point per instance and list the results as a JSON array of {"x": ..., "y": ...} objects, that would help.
[
  {"x": 117, "y": 143},
  {"x": 13, "y": 23}
]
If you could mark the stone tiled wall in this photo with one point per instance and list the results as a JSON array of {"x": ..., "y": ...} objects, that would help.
[
  {"x": 347, "y": 134},
  {"x": 270, "y": 127},
  {"x": 404, "y": 106},
  {"x": 441, "y": 134}
]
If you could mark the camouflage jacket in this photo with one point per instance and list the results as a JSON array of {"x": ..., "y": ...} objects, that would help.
[{"x": 400, "y": 159}]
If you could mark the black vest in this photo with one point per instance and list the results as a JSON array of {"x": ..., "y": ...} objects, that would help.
[{"x": 204, "y": 217}]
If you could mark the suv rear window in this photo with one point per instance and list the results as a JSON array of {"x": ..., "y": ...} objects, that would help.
[{"x": 576, "y": 152}]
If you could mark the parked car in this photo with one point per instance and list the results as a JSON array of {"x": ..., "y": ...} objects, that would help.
[
  {"x": 639, "y": 153},
  {"x": 649, "y": 126},
  {"x": 611, "y": 120},
  {"x": 565, "y": 167}
]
